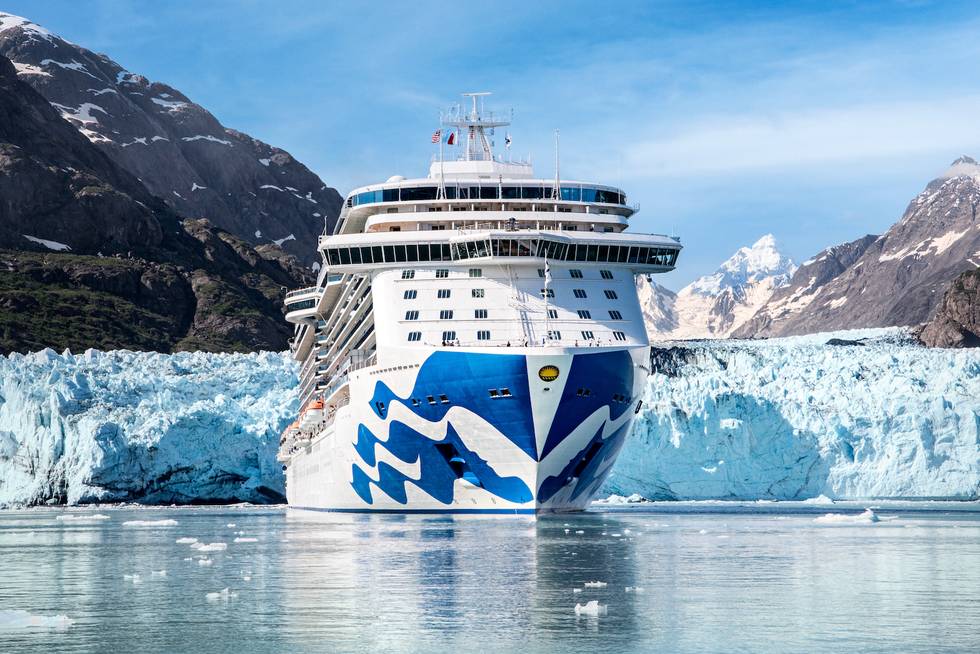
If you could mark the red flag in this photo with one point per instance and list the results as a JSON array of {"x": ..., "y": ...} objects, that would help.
[{"x": 452, "y": 139}]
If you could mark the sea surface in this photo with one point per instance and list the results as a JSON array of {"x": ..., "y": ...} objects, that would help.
[{"x": 688, "y": 577}]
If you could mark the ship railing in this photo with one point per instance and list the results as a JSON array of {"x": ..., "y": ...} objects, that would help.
[
  {"x": 301, "y": 291},
  {"x": 567, "y": 342}
]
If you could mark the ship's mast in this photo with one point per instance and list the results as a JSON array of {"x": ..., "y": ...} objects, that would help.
[{"x": 473, "y": 124}]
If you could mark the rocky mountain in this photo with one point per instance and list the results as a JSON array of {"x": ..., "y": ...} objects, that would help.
[
  {"x": 179, "y": 151},
  {"x": 957, "y": 322},
  {"x": 896, "y": 279},
  {"x": 715, "y": 305},
  {"x": 90, "y": 258}
]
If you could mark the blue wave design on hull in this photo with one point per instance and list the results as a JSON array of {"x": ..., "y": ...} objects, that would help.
[
  {"x": 437, "y": 476},
  {"x": 465, "y": 379}
]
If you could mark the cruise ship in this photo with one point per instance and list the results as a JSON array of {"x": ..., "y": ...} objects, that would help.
[{"x": 474, "y": 343}]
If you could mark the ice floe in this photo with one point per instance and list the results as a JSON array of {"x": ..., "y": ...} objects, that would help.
[
  {"x": 151, "y": 523},
  {"x": 19, "y": 619},
  {"x": 592, "y": 608}
]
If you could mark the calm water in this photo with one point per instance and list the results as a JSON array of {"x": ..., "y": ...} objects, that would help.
[{"x": 736, "y": 582}]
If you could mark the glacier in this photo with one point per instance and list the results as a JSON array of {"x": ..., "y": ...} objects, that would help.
[
  {"x": 871, "y": 415},
  {"x": 142, "y": 426}
]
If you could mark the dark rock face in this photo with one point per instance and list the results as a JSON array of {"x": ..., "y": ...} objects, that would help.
[
  {"x": 179, "y": 151},
  {"x": 957, "y": 322},
  {"x": 107, "y": 264},
  {"x": 897, "y": 279}
]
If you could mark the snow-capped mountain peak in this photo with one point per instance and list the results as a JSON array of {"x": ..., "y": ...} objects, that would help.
[
  {"x": 963, "y": 167},
  {"x": 766, "y": 258}
]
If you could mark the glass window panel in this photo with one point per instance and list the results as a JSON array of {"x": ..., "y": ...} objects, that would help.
[
  {"x": 345, "y": 256},
  {"x": 593, "y": 249},
  {"x": 423, "y": 252},
  {"x": 333, "y": 257},
  {"x": 390, "y": 195},
  {"x": 581, "y": 252},
  {"x": 378, "y": 257},
  {"x": 623, "y": 253},
  {"x": 412, "y": 252},
  {"x": 488, "y": 193},
  {"x": 400, "y": 253},
  {"x": 603, "y": 253},
  {"x": 355, "y": 255},
  {"x": 633, "y": 253},
  {"x": 471, "y": 249},
  {"x": 446, "y": 256},
  {"x": 642, "y": 256},
  {"x": 389, "y": 254},
  {"x": 366, "y": 255}
]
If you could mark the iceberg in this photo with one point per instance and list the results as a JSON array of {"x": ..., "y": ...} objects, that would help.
[
  {"x": 142, "y": 426},
  {"x": 863, "y": 414}
]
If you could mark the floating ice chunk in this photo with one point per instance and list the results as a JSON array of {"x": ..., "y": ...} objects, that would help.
[
  {"x": 866, "y": 518},
  {"x": 205, "y": 562},
  {"x": 580, "y": 531},
  {"x": 246, "y": 540},
  {"x": 723, "y": 536},
  {"x": 633, "y": 589},
  {"x": 576, "y": 590},
  {"x": 151, "y": 523},
  {"x": 183, "y": 541},
  {"x": 595, "y": 584},
  {"x": 18, "y": 619},
  {"x": 158, "y": 573},
  {"x": 821, "y": 499},
  {"x": 213, "y": 547},
  {"x": 566, "y": 531},
  {"x": 247, "y": 578},
  {"x": 84, "y": 518},
  {"x": 134, "y": 578},
  {"x": 592, "y": 608},
  {"x": 224, "y": 595},
  {"x": 703, "y": 531},
  {"x": 617, "y": 535},
  {"x": 196, "y": 545},
  {"x": 231, "y": 524},
  {"x": 189, "y": 558}
]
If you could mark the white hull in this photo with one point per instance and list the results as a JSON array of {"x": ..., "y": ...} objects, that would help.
[{"x": 542, "y": 449}]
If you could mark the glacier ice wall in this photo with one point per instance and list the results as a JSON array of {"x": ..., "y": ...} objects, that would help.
[
  {"x": 794, "y": 418},
  {"x": 154, "y": 428}
]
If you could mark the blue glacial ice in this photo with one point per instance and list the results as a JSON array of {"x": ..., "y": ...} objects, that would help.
[
  {"x": 795, "y": 418},
  {"x": 146, "y": 427},
  {"x": 785, "y": 419}
]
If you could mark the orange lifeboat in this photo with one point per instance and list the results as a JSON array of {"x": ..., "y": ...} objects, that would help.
[{"x": 312, "y": 414}]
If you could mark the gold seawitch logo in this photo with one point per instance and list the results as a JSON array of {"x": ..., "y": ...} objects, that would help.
[{"x": 549, "y": 373}]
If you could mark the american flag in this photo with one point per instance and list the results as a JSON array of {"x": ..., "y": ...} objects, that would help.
[{"x": 437, "y": 136}]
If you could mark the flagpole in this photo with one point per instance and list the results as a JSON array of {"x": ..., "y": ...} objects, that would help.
[{"x": 547, "y": 311}]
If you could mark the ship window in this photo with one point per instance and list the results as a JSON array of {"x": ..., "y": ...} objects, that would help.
[
  {"x": 414, "y": 336},
  {"x": 579, "y": 293},
  {"x": 399, "y": 253},
  {"x": 643, "y": 255},
  {"x": 411, "y": 315},
  {"x": 483, "y": 336},
  {"x": 366, "y": 255},
  {"x": 579, "y": 393},
  {"x": 408, "y": 274},
  {"x": 344, "y": 256},
  {"x": 588, "y": 336},
  {"x": 415, "y": 402},
  {"x": 607, "y": 229},
  {"x": 446, "y": 254},
  {"x": 459, "y": 250},
  {"x": 615, "y": 315},
  {"x": 577, "y": 274},
  {"x": 442, "y": 273},
  {"x": 411, "y": 295},
  {"x": 423, "y": 252},
  {"x": 449, "y": 336},
  {"x": 632, "y": 255},
  {"x": 389, "y": 254},
  {"x": 443, "y": 399},
  {"x": 355, "y": 255},
  {"x": 392, "y": 209},
  {"x": 476, "y": 272},
  {"x": 443, "y": 293},
  {"x": 477, "y": 292},
  {"x": 552, "y": 314},
  {"x": 494, "y": 392},
  {"x": 587, "y": 392},
  {"x": 540, "y": 272},
  {"x": 480, "y": 313},
  {"x": 431, "y": 399},
  {"x": 333, "y": 257},
  {"x": 446, "y": 315},
  {"x": 413, "y": 252},
  {"x": 421, "y": 193},
  {"x": 584, "y": 315},
  {"x": 505, "y": 392},
  {"x": 581, "y": 253},
  {"x": 619, "y": 336},
  {"x": 554, "y": 336},
  {"x": 606, "y": 274},
  {"x": 611, "y": 295},
  {"x": 377, "y": 257},
  {"x": 547, "y": 292},
  {"x": 604, "y": 254},
  {"x": 381, "y": 406}
]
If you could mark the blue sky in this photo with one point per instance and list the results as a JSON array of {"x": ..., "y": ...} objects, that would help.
[{"x": 816, "y": 122}]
